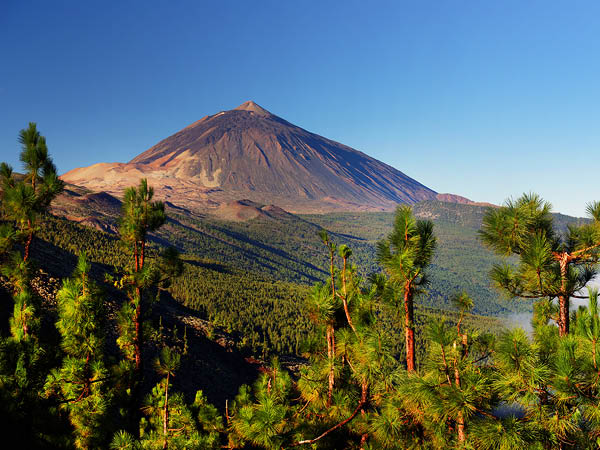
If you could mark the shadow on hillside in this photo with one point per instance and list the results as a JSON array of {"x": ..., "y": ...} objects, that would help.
[
  {"x": 218, "y": 369},
  {"x": 267, "y": 261},
  {"x": 211, "y": 265}
]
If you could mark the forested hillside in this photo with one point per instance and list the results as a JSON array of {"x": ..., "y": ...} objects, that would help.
[
  {"x": 285, "y": 247},
  {"x": 264, "y": 315}
]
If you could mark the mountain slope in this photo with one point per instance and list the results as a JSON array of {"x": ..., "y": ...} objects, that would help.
[{"x": 249, "y": 153}]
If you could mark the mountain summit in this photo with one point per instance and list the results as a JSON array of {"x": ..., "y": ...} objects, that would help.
[
  {"x": 253, "y": 107},
  {"x": 250, "y": 153}
]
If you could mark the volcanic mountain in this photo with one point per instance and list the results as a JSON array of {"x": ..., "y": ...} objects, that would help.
[{"x": 248, "y": 153}]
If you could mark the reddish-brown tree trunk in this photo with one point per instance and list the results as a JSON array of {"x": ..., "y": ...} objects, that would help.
[
  {"x": 29, "y": 240},
  {"x": 563, "y": 298},
  {"x": 135, "y": 255},
  {"x": 331, "y": 358},
  {"x": 563, "y": 318},
  {"x": 460, "y": 421},
  {"x": 462, "y": 437},
  {"x": 363, "y": 440},
  {"x": 136, "y": 391},
  {"x": 409, "y": 329},
  {"x": 25, "y": 326}
]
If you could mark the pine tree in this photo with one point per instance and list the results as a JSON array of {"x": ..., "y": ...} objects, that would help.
[
  {"x": 140, "y": 216},
  {"x": 453, "y": 391},
  {"x": 25, "y": 360},
  {"x": 405, "y": 255},
  {"x": 25, "y": 200},
  {"x": 80, "y": 383},
  {"x": 363, "y": 372},
  {"x": 587, "y": 326},
  {"x": 198, "y": 425},
  {"x": 264, "y": 415},
  {"x": 330, "y": 324},
  {"x": 167, "y": 364},
  {"x": 345, "y": 253},
  {"x": 550, "y": 265},
  {"x": 25, "y": 319},
  {"x": 26, "y": 355}
]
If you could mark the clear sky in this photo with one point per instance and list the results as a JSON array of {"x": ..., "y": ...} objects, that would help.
[{"x": 485, "y": 99}]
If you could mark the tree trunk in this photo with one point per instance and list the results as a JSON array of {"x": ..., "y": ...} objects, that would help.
[
  {"x": 409, "y": 330},
  {"x": 330, "y": 357},
  {"x": 563, "y": 298},
  {"x": 363, "y": 440},
  {"x": 29, "y": 240},
  {"x": 25, "y": 326},
  {"x": 563, "y": 318},
  {"x": 460, "y": 421},
  {"x": 463, "y": 337},
  {"x": 345, "y": 300},
  {"x": 166, "y": 414},
  {"x": 135, "y": 254},
  {"x": 446, "y": 369},
  {"x": 461, "y": 428},
  {"x": 136, "y": 397}
]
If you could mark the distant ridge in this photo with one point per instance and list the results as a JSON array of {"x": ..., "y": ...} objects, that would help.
[
  {"x": 250, "y": 153},
  {"x": 453, "y": 198}
]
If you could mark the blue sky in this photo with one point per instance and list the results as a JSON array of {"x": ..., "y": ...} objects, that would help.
[{"x": 483, "y": 99}]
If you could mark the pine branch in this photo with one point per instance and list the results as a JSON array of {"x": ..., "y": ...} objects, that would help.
[{"x": 361, "y": 403}]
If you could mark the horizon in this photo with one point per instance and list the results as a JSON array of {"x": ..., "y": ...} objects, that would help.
[{"x": 491, "y": 91}]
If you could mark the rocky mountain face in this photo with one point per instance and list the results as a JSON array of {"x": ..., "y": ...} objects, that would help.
[{"x": 250, "y": 154}]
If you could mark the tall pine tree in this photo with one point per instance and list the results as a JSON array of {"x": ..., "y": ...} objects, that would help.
[
  {"x": 81, "y": 383},
  {"x": 405, "y": 255},
  {"x": 551, "y": 265}
]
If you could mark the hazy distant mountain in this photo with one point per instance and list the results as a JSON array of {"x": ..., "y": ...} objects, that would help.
[{"x": 249, "y": 153}]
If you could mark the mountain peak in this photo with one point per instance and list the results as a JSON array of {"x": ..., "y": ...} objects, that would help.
[
  {"x": 253, "y": 107},
  {"x": 250, "y": 153}
]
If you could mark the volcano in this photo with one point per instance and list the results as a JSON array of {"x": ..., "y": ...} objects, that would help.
[{"x": 249, "y": 153}]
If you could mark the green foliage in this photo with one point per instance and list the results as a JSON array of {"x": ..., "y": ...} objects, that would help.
[
  {"x": 168, "y": 421},
  {"x": 263, "y": 416},
  {"x": 460, "y": 262},
  {"x": 80, "y": 384},
  {"x": 23, "y": 201},
  {"x": 140, "y": 216},
  {"x": 550, "y": 264},
  {"x": 405, "y": 255}
]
